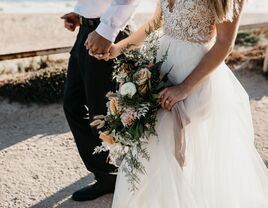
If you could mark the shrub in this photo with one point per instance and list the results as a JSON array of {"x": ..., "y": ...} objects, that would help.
[
  {"x": 247, "y": 39},
  {"x": 44, "y": 86}
]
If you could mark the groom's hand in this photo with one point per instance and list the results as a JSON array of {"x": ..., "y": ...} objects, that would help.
[
  {"x": 71, "y": 21},
  {"x": 115, "y": 51},
  {"x": 96, "y": 44}
]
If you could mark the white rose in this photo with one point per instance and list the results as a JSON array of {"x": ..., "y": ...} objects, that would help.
[{"x": 128, "y": 89}]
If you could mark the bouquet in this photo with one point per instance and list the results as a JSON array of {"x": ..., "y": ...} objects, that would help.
[{"x": 132, "y": 109}]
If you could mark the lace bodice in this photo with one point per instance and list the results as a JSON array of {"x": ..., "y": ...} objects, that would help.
[{"x": 189, "y": 20}]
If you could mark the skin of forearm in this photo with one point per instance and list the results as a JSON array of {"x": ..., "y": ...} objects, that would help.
[
  {"x": 208, "y": 64},
  {"x": 137, "y": 38},
  {"x": 216, "y": 55}
]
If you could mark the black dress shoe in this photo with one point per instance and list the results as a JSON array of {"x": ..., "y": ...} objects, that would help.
[{"x": 94, "y": 191}]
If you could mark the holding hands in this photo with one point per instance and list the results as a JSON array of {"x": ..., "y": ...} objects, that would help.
[
  {"x": 98, "y": 46},
  {"x": 114, "y": 51}
]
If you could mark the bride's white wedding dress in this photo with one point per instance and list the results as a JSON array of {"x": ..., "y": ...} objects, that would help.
[{"x": 223, "y": 168}]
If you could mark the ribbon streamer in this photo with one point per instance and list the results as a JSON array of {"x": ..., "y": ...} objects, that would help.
[{"x": 180, "y": 121}]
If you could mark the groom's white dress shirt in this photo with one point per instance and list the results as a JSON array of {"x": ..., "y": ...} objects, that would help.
[{"x": 114, "y": 14}]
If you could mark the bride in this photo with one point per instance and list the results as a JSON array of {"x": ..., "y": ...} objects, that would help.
[{"x": 222, "y": 168}]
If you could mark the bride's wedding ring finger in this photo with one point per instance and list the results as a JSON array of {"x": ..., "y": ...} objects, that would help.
[
  {"x": 165, "y": 101},
  {"x": 170, "y": 102}
]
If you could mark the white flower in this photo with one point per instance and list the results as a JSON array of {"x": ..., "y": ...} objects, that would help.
[
  {"x": 128, "y": 89},
  {"x": 126, "y": 149}
]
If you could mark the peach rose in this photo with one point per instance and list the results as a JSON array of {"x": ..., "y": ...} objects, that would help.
[
  {"x": 127, "y": 119},
  {"x": 142, "y": 76}
]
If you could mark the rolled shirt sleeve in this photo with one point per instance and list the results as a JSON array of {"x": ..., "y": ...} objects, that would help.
[{"x": 116, "y": 18}]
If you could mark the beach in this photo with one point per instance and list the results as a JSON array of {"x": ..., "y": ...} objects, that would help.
[{"x": 39, "y": 163}]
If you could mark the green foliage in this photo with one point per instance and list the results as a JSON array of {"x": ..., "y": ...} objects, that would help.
[
  {"x": 134, "y": 121},
  {"x": 44, "y": 87},
  {"x": 247, "y": 39}
]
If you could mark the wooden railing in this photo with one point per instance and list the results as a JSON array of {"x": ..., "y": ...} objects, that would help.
[
  {"x": 60, "y": 50},
  {"x": 28, "y": 54}
]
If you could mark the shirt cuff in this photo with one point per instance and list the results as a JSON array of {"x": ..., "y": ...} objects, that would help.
[{"x": 107, "y": 32}]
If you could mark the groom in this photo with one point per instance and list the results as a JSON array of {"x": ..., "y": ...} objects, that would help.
[{"x": 88, "y": 80}]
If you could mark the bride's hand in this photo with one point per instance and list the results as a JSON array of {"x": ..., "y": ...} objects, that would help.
[
  {"x": 113, "y": 53},
  {"x": 171, "y": 95}
]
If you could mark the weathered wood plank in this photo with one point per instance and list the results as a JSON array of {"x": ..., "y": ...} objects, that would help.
[{"x": 28, "y": 54}]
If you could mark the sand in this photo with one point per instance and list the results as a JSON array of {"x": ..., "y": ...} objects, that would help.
[
  {"x": 26, "y": 32},
  {"x": 39, "y": 163}
]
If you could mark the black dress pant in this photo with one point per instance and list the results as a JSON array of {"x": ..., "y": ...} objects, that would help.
[{"x": 88, "y": 81}]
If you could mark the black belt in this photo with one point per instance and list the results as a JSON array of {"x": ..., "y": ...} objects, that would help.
[{"x": 89, "y": 22}]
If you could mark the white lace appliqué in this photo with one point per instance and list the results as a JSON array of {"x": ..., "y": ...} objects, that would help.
[{"x": 190, "y": 20}]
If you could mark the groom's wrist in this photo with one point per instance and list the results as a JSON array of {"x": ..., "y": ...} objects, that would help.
[{"x": 107, "y": 31}]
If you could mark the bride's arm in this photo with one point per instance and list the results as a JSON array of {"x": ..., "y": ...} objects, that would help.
[
  {"x": 138, "y": 37},
  {"x": 226, "y": 35}
]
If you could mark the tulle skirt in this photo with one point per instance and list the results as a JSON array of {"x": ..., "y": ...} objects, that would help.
[{"x": 223, "y": 168}]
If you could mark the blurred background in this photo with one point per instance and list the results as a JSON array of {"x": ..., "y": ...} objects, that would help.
[{"x": 39, "y": 164}]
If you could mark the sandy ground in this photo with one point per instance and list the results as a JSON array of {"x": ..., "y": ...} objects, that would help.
[
  {"x": 26, "y": 32},
  {"x": 39, "y": 163}
]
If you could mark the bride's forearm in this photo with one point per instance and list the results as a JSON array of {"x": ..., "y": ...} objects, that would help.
[
  {"x": 208, "y": 64},
  {"x": 138, "y": 37},
  {"x": 226, "y": 34}
]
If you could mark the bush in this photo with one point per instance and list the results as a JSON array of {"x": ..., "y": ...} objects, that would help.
[
  {"x": 247, "y": 39},
  {"x": 44, "y": 86}
]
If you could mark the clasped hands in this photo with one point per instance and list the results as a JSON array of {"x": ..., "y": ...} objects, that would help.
[
  {"x": 101, "y": 48},
  {"x": 97, "y": 46}
]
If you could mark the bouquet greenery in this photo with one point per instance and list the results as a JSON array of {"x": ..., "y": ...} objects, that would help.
[{"x": 132, "y": 109}]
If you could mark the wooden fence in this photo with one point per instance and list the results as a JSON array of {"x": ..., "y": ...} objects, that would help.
[
  {"x": 28, "y": 54},
  {"x": 60, "y": 50}
]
